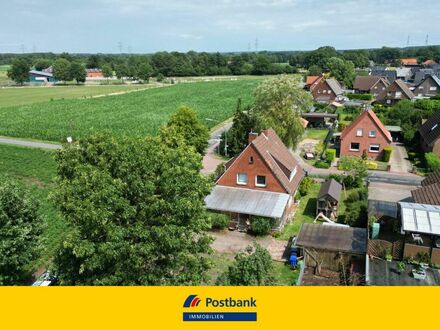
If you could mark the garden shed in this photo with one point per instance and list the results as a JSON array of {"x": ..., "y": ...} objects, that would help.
[{"x": 328, "y": 198}]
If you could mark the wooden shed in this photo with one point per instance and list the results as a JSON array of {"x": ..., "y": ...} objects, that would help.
[{"x": 328, "y": 198}]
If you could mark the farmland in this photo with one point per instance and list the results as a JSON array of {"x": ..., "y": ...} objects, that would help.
[
  {"x": 14, "y": 96},
  {"x": 35, "y": 169},
  {"x": 137, "y": 113}
]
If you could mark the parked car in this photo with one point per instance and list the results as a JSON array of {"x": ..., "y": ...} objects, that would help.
[{"x": 45, "y": 279}]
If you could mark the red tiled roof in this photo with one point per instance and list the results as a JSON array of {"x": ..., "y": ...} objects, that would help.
[
  {"x": 361, "y": 117},
  {"x": 311, "y": 79},
  {"x": 429, "y": 194},
  {"x": 429, "y": 62},
  {"x": 409, "y": 61}
]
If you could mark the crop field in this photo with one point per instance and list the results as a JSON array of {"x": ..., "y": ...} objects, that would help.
[
  {"x": 14, "y": 96},
  {"x": 137, "y": 113},
  {"x": 36, "y": 170}
]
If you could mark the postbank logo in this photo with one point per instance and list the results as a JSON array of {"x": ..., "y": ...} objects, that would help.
[{"x": 220, "y": 309}]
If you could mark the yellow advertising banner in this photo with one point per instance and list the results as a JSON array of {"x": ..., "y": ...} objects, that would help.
[{"x": 219, "y": 307}]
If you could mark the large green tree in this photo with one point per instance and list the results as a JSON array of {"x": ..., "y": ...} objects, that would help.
[
  {"x": 78, "y": 72},
  {"x": 251, "y": 267},
  {"x": 136, "y": 211},
  {"x": 61, "y": 70},
  {"x": 341, "y": 70},
  {"x": 145, "y": 71},
  {"x": 185, "y": 123},
  {"x": 19, "y": 71},
  {"x": 20, "y": 227},
  {"x": 278, "y": 104}
]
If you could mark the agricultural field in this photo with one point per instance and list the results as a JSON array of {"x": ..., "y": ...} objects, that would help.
[
  {"x": 36, "y": 170},
  {"x": 15, "y": 96},
  {"x": 137, "y": 113}
]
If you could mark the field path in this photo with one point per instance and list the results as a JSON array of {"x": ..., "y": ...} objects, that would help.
[{"x": 29, "y": 143}]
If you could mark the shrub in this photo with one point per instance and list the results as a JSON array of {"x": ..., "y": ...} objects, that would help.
[
  {"x": 218, "y": 220},
  {"x": 160, "y": 77},
  {"x": 363, "y": 97},
  {"x": 342, "y": 126},
  {"x": 306, "y": 185},
  {"x": 330, "y": 155},
  {"x": 357, "y": 213},
  {"x": 411, "y": 155},
  {"x": 261, "y": 225},
  {"x": 322, "y": 164},
  {"x": 432, "y": 161},
  {"x": 387, "y": 154},
  {"x": 372, "y": 165}
]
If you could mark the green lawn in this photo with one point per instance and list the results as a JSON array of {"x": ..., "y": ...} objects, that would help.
[
  {"x": 137, "y": 113},
  {"x": 305, "y": 213},
  {"x": 316, "y": 134},
  {"x": 36, "y": 170},
  {"x": 16, "y": 96}
]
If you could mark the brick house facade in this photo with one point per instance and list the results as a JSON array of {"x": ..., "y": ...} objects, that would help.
[
  {"x": 394, "y": 93},
  {"x": 430, "y": 86},
  {"x": 326, "y": 90},
  {"x": 365, "y": 134}
]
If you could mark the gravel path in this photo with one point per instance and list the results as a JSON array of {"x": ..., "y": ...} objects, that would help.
[{"x": 28, "y": 143}]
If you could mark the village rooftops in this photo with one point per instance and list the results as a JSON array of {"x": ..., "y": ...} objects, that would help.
[
  {"x": 420, "y": 218},
  {"x": 247, "y": 201},
  {"x": 429, "y": 194},
  {"x": 333, "y": 238},
  {"x": 366, "y": 83}
]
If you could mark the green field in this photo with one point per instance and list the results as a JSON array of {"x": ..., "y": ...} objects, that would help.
[
  {"x": 14, "y": 96},
  {"x": 137, "y": 113},
  {"x": 36, "y": 170}
]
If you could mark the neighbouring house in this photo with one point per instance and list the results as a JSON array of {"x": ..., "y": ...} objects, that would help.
[
  {"x": 388, "y": 73},
  {"x": 328, "y": 199},
  {"x": 312, "y": 81},
  {"x": 406, "y": 74},
  {"x": 370, "y": 84},
  {"x": 94, "y": 74},
  {"x": 394, "y": 93},
  {"x": 365, "y": 135},
  {"x": 332, "y": 247},
  {"x": 430, "y": 86},
  {"x": 421, "y": 75},
  {"x": 326, "y": 90},
  {"x": 421, "y": 227},
  {"x": 261, "y": 181},
  {"x": 430, "y": 134},
  {"x": 429, "y": 193},
  {"x": 319, "y": 119},
  {"x": 429, "y": 63},
  {"x": 434, "y": 177},
  {"x": 41, "y": 77},
  {"x": 409, "y": 62}
]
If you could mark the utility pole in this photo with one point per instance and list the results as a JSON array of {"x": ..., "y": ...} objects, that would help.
[
  {"x": 426, "y": 40},
  {"x": 120, "y": 47},
  {"x": 256, "y": 45},
  {"x": 407, "y": 41}
]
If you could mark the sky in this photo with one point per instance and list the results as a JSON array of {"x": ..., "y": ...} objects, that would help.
[{"x": 147, "y": 26}]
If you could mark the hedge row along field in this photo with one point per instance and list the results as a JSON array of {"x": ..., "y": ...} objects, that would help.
[{"x": 137, "y": 113}]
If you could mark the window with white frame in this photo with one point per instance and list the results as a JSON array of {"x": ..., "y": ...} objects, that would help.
[
  {"x": 372, "y": 133},
  {"x": 374, "y": 147},
  {"x": 260, "y": 181},
  {"x": 398, "y": 94},
  {"x": 242, "y": 178},
  {"x": 359, "y": 132},
  {"x": 432, "y": 88},
  {"x": 355, "y": 146}
]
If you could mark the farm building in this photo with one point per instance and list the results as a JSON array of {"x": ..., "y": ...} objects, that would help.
[
  {"x": 332, "y": 246},
  {"x": 328, "y": 198},
  {"x": 94, "y": 74},
  {"x": 41, "y": 77},
  {"x": 261, "y": 181}
]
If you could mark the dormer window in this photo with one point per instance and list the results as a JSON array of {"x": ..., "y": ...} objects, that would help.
[{"x": 292, "y": 175}]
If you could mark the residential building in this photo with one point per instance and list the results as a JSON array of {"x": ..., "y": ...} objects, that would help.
[
  {"x": 370, "y": 84},
  {"x": 430, "y": 134},
  {"x": 429, "y": 194},
  {"x": 328, "y": 198},
  {"x": 409, "y": 62},
  {"x": 41, "y": 77},
  {"x": 434, "y": 177},
  {"x": 394, "y": 93},
  {"x": 261, "y": 181},
  {"x": 388, "y": 73},
  {"x": 365, "y": 135},
  {"x": 429, "y": 63},
  {"x": 326, "y": 90},
  {"x": 406, "y": 74},
  {"x": 312, "y": 81},
  {"x": 430, "y": 86}
]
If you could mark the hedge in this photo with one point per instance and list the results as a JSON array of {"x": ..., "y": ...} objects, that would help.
[
  {"x": 322, "y": 164},
  {"x": 330, "y": 155},
  {"x": 372, "y": 165},
  {"x": 387, "y": 154},
  {"x": 432, "y": 161},
  {"x": 363, "y": 97},
  {"x": 261, "y": 225}
]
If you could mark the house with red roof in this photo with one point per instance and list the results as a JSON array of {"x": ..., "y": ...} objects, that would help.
[
  {"x": 260, "y": 182},
  {"x": 312, "y": 81},
  {"x": 409, "y": 62},
  {"x": 365, "y": 135}
]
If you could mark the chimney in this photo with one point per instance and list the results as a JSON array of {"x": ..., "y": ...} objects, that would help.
[{"x": 252, "y": 136}]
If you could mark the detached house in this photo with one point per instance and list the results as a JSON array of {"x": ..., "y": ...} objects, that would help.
[
  {"x": 428, "y": 87},
  {"x": 395, "y": 92},
  {"x": 261, "y": 181},
  {"x": 430, "y": 134},
  {"x": 312, "y": 81},
  {"x": 326, "y": 90},
  {"x": 370, "y": 84},
  {"x": 366, "y": 134},
  {"x": 409, "y": 62}
]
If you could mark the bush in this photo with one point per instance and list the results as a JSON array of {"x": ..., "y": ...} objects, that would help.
[
  {"x": 330, "y": 155},
  {"x": 387, "y": 154},
  {"x": 322, "y": 164},
  {"x": 412, "y": 155},
  {"x": 342, "y": 126},
  {"x": 372, "y": 165},
  {"x": 357, "y": 213},
  {"x": 306, "y": 185},
  {"x": 261, "y": 226},
  {"x": 160, "y": 77},
  {"x": 363, "y": 97},
  {"x": 218, "y": 220},
  {"x": 432, "y": 161}
]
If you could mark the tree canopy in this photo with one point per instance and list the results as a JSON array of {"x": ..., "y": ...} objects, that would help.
[
  {"x": 19, "y": 71},
  {"x": 136, "y": 211},
  {"x": 61, "y": 70},
  {"x": 20, "y": 228},
  {"x": 342, "y": 70}
]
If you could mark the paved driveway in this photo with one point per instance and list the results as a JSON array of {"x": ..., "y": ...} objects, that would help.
[{"x": 399, "y": 159}]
